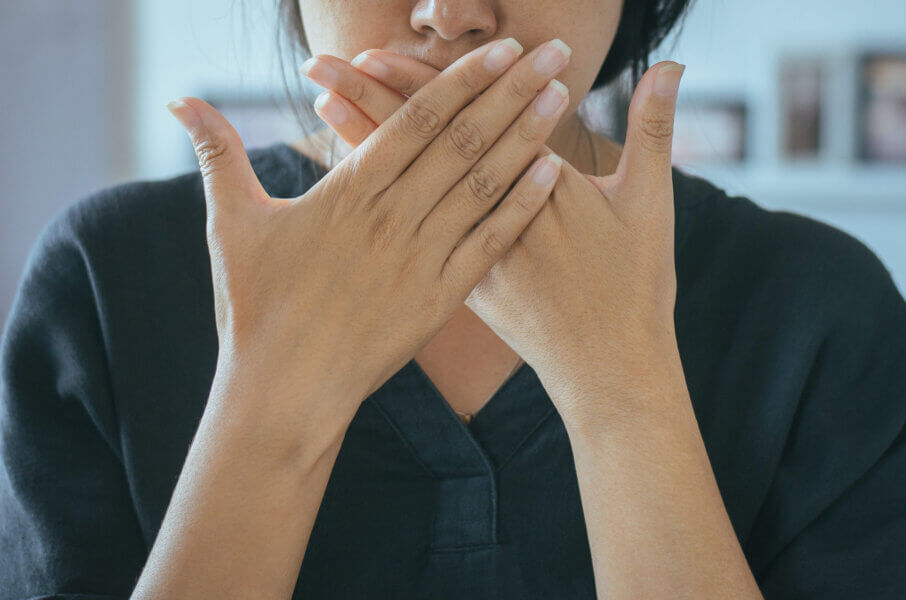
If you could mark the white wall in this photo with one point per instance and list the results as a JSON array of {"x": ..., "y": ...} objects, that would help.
[
  {"x": 76, "y": 120},
  {"x": 196, "y": 48},
  {"x": 736, "y": 47},
  {"x": 186, "y": 48},
  {"x": 65, "y": 115}
]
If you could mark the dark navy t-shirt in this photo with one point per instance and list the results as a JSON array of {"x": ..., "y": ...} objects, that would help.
[{"x": 792, "y": 337}]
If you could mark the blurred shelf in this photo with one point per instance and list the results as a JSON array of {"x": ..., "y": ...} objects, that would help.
[{"x": 812, "y": 185}]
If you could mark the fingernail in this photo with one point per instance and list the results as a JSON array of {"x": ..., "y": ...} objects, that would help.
[
  {"x": 187, "y": 117},
  {"x": 548, "y": 170},
  {"x": 550, "y": 98},
  {"x": 551, "y": 57},
  {"x": 668, "y": 79},
  {"x": 370, "y": 65},
  {"x": 331, "y": 108},
  {"x": 502, "y": 55},
  {"x": 320, "y": 72}
]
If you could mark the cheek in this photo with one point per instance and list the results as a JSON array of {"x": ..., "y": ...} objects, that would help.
[
  {"x": 343, "y": 28},
  {"x": 587, "y": 26}
]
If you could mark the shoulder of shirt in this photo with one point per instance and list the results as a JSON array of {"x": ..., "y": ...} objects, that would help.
[
  {"x": 775, "y": 247},
  {"x": 720, "y": 230},
  {"x": 140, "y": 215}
]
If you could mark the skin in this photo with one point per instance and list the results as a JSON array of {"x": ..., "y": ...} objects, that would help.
[
  {"x": 467, "y": 361},
  {"x": 319, "y": 299},
  {"x": 437, "y": 32},
  {"x": 643, "y": 470},
  {"x": 634, "y": 445},
  {"x": 414, "y": 208}
]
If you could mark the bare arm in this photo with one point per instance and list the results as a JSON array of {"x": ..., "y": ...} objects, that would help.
[
  {"x": 657, "y": 526},
  {"x": 242, "y": 511},
  {"x": 320, "y": 299}
]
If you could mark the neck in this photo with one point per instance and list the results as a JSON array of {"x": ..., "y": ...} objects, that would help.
[{"x": 572, "y": 142}]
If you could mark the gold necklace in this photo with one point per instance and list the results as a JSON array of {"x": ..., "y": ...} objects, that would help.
[{"x": 467, "y": 417}]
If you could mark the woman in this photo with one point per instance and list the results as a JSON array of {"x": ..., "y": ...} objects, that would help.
[{"x": 244, "y": 383}]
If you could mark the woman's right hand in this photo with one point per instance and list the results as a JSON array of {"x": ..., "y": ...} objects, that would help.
[{"x": 334, "y": 291}]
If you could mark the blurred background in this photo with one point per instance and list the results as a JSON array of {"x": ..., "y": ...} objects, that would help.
[{"x": 799, "y": 106}]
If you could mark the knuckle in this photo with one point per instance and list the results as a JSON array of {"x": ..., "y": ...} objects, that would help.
[
  {"x": 211, "y": 154},
  {"x": 484, "y": 185},
  {"x": 406, "y": 83},
  {"x": 432, "y": 304},
  {"x": 420, "y": 119},
  {"x": 466, "y": 139},
  {"x": 656, "y": 129},
  {"x": 451, "y": 276},
  {"x": 491, "y": 240},
  {"x": 523, "y": 201},
  {"x": 410, "y": 265},
  {"x": 356, "y": 91},
  {"x": 528, "y": 131},
  {"x": 520, "y": 88},
  {"x": 385, "y": 229},
  {"x": 467, "y": 79}
]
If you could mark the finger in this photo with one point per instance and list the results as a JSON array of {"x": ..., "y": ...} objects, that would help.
[
  {"x": 228, "y": 177},
  {"x": 344, "y": 117},
  {"x": 401, "y": 73},
  {"x": 478, "y": 191},
  {"x": 412, "y": 128},
  {"x": 449, "y": 157},
  {"x": 492, "y": 238},
  {"x": 374, "y": 99},
  {"x": 649, "y": 133}
]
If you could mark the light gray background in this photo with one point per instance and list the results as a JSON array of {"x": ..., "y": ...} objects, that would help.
[{"x": 85, "y": 83}]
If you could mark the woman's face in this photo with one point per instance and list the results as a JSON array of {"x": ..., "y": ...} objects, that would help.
[{"x": 437, "y": 32}]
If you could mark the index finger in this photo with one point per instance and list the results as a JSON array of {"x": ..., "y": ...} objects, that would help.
[
  {"x": 415, "y": 125},
  {"x": 401, "y": 73}
]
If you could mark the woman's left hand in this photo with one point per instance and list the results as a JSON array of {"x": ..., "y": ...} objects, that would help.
[{"x": 586, "y": 295}]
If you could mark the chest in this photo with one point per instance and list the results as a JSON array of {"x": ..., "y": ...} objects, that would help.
[
  {"x": 466, "y": 362},
  {"x": 405, "y": 518}
]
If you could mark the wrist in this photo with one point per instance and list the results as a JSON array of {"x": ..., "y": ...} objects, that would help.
[
  {"x": 287, "y": 418},
  {"x": 621, "y": 392}
]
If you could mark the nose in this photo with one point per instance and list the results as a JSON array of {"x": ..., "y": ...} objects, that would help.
[{"x": 452, "y": 18}]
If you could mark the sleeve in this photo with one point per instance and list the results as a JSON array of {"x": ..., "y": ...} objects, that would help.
[
  {"x": 68, "y": 528},
  {"x": 833, "y": 524}
]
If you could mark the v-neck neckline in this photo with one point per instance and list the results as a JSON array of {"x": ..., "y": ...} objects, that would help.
[
  {"x": 501, "y": 389},
  {"x": 420, "y": 415},
  {"x": 445, "y": 445},
  {"x": 430, "y": 427}
]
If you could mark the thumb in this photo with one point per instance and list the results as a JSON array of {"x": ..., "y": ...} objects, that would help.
[
  {"x": 229, "y": 179},
  {"x": 649, "y": 133}
]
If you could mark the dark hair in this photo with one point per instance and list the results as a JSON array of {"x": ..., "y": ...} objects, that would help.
[{"x": 643, "y": 26}]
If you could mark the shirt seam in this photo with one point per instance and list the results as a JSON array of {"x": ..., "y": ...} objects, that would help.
[
  {"x": 405, "y": 440},
  {"x": 526, "y": 438}
]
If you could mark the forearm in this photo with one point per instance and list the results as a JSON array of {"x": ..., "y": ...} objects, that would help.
[
  {"x": 243, "y": 508},
  {"x": 656, "y": 523}
]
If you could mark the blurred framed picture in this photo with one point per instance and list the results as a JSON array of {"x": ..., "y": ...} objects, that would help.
[
  {"x": 801, "y": 106},
  {"x": 882, "y": 107},
  {"x": 709, "y": 130},
  {"x": 259, "y": 120}
]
